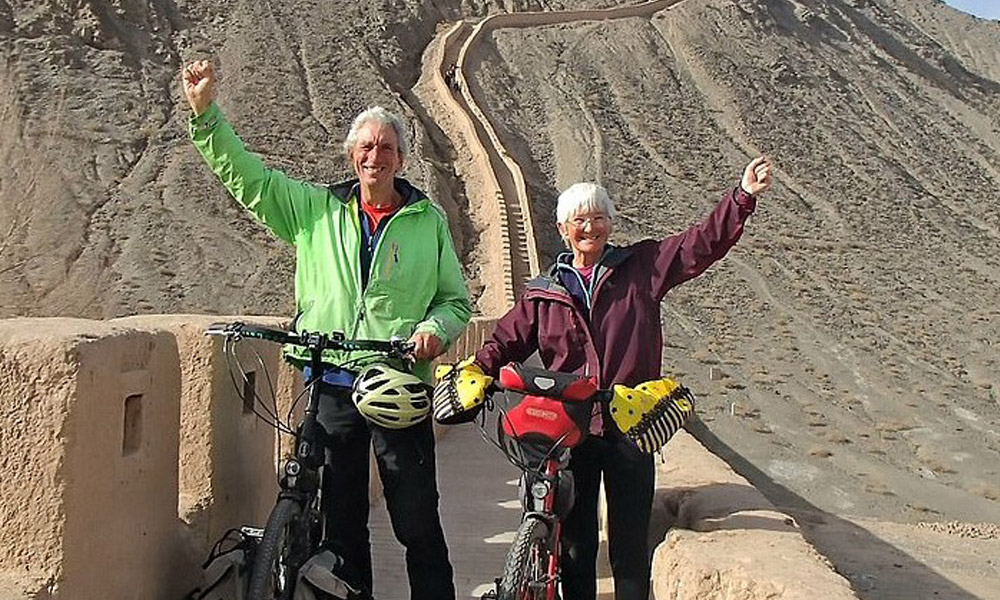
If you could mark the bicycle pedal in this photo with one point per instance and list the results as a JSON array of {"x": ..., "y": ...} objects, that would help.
[
  {"x": 255, "y": 532},
  {"x": 492, "y": 594}
]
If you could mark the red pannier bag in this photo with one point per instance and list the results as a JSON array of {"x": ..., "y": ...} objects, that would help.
[{"x": 556, "y": 406}]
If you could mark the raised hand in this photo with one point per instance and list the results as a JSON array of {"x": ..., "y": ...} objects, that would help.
[
  {"x": 757, "y": 176},
  {"x": 199, "y": 85}
]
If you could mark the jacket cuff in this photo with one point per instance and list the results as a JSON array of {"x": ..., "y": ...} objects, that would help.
[
  {"x": 744, "y": 199},
  {"x": 434, "y": 328},
  {"x": 206, "y": 121}
]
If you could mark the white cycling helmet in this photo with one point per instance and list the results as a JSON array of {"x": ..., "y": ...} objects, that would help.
[{"x": 391, "y": 398}]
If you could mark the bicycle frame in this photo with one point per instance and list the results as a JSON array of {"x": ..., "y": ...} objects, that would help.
[
  {"x": 295, "y": 528},
  {"x": 301, "y": 478},
  {"x": 552, "y": 468},
  {"x": 546, "y": 495},
  {"x": 537, "y": 437}
]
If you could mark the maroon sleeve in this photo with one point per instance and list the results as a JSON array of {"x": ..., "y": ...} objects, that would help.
[
  {"x": 514, "y": 339},
  {"x": 687, "y": 254}
]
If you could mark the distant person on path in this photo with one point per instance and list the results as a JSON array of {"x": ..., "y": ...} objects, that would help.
[
  {"x": 596, "y": 311},
  {"x": 374, "y": 260},
  {"x": 451, "y": 78}
]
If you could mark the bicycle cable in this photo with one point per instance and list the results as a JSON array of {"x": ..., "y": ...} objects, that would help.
[{"x": 258, "y": 406}]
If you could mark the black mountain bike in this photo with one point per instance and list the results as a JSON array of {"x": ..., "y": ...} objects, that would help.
[{"x": 294, "y": 529}]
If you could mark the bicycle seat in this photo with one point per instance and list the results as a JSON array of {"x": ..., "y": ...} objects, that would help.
[{"x": 550, "y": 384}]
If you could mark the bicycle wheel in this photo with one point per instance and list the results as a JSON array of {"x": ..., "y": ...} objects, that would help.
[
  {"x": 272, "y": 575},
  {"x": 525, "y": 573}
]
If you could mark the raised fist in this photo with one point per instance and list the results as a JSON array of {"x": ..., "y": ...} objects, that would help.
[{"x": 199, "y": 85}]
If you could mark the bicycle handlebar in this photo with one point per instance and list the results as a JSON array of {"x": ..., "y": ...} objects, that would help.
[
  {"x": 599, "y": 396},
  {"x": 555, "y": 385},
  {"x": 397, "y": 348}
]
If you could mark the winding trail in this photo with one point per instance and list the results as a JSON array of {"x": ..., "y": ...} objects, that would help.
[{"x": 501, "y": 175}]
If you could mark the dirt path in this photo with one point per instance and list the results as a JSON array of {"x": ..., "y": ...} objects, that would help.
[{"x": 497, "y": 183}]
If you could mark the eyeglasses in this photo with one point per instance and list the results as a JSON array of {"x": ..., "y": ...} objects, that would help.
[{"x": 595, "y": 220}]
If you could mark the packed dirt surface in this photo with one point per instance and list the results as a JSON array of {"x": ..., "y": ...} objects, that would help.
[{"x": 845, "y": 354}]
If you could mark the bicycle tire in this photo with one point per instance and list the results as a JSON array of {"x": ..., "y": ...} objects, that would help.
[
  {"x": 526, "y": 566},
  {"x": 265, "y": 584}
]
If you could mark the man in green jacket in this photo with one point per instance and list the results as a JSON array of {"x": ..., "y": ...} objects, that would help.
[{"x": 374, "y": 259}]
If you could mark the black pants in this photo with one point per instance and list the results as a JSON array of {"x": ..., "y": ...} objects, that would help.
[
  {"x": 628, "y": 484},
  {"x": 406, "y": 466}
]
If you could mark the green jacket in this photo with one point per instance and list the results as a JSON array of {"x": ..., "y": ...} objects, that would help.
[{"x": 415, "y": 281}]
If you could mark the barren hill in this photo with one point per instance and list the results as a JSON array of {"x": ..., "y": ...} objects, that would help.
[{"x": 845, "y": 354}]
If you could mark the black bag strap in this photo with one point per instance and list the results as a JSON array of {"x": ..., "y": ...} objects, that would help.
[{"x": 238, "y": 539}]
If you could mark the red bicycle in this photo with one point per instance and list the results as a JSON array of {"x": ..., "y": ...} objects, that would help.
[{"x": 537, "y": 436}]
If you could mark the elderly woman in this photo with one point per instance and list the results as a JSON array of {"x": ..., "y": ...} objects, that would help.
[{"x": 596, "y": 311}]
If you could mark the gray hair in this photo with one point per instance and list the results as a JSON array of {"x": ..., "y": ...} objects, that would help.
[
  {"x": 377, "y": 114},
  {"x": 582, "y": 198}
]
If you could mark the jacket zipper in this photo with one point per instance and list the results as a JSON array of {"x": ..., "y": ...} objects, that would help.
[
  {"x": 371, "y": 265},
  {"x": 590, "y": 339}
]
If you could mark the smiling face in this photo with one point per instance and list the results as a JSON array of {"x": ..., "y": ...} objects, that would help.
[
  {"x": 586, "y": 234},
  {"x": 375, "y": 156}
]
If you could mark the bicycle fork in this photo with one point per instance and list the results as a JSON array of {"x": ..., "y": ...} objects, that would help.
[
  {"x": 549, "y": 503},
  {"x": 540, "y": 502}
]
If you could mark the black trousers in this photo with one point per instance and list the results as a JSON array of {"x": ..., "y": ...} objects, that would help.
[
  {"x": 628, "y": 484},
  {"x": 406, "y": 466}
]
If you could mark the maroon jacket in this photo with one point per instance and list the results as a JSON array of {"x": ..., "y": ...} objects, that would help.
[{"x": 622, "y": 341}]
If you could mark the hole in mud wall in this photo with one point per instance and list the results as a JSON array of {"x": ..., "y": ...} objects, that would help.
[
  {"x": 132, "y": 429},
  {"x": 249, "y": 391}
]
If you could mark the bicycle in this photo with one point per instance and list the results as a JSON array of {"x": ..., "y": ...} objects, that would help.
[
  {"x": 537, "y": 436},
  {"x": 293, "y": 532}
]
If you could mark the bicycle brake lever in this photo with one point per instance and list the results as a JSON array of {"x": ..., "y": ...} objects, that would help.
[{"x": 404, "y": 349}]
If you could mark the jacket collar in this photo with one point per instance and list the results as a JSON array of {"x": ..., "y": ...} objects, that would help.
[
  {"x": 349, "y": 189},
  {"x": 612, "y": 257},
  {"x": 548, "y": 281}
]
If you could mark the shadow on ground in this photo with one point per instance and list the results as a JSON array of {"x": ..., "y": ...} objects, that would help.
[{"x": 875, "y": 569}]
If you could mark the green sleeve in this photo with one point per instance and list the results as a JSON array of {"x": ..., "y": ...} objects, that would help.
[
  {"x": 281, "y": 203},
  {"x": 450, "y": 309}
]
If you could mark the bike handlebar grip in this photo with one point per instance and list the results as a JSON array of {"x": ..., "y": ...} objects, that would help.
[
  {"x": 238, "y": 329},
  {"x": 216, "y": 329},
  {"x": 603, "y": 396},
  {"x": 268, "y": 333}
]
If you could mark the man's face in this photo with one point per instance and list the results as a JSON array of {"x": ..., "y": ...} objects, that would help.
[{"x": 375, "y": 155}]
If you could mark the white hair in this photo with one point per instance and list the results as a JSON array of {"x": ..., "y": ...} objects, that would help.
[
  {"x": 581, "y": 198},
  {"x": 377, "y": 114}
]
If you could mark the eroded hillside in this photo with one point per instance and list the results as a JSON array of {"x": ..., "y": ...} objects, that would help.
[{"x": 846, "y": 351}]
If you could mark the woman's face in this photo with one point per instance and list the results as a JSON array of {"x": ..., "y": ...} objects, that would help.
[{"x": 586, "y": 233}]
